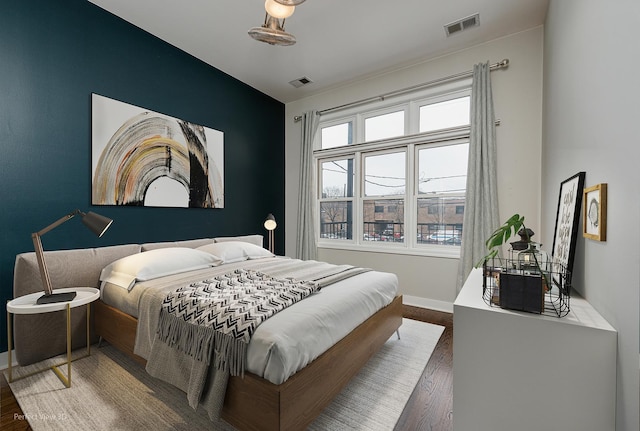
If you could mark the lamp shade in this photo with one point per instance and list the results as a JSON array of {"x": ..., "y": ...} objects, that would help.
[
  {"x": 97, "y": 223},
  {"x": 270, "y": 222}
]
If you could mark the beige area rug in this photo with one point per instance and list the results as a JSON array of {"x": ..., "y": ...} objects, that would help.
[{"x": 111, "y": 392}]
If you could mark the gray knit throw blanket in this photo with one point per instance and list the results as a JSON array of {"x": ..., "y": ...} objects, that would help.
[{"x": 221, "y": 314}]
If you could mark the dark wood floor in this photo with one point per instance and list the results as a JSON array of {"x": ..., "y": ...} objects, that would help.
[
  {"x": 429, "y": 408},
  {"x": 431, "y": 404},
  {"x": 11, "y": 417}
]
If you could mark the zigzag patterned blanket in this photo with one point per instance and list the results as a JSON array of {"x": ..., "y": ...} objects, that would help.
[{"x": 221, "y": 314}]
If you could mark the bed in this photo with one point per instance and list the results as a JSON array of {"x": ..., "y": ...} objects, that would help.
[{"x": 288, "y": 401}]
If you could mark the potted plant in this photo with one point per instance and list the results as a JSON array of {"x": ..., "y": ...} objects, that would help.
[{"x": 516, "y": 289}]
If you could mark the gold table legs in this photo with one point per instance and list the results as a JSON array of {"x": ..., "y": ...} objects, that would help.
[{"x": 65, "y": 379}]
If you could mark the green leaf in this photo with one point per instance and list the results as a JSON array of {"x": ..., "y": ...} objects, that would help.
[
  {"x": 501, "y": 235},
  {"x": 504, "y": 232}
]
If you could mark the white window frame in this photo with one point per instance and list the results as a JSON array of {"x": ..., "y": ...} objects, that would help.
[{"x": 411, "y": 142}]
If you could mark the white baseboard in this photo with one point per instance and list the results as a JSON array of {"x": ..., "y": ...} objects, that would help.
[{"x": 432, "y": 304}]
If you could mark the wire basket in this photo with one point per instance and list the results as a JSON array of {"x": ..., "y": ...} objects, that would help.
[{"x": 507, "y": 283}]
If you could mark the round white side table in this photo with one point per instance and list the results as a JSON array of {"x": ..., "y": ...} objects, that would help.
[{"x": 27, "y": 305}]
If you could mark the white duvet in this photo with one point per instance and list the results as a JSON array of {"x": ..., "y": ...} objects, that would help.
[{"x": 289, "y": 340}]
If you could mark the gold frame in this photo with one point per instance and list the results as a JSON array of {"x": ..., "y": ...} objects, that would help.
[{"x": 594, "y": 213}]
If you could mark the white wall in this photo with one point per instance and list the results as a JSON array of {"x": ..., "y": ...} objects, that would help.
[
  {"x": 517, "y": 95},
  {"x": 591, "y": 114}
]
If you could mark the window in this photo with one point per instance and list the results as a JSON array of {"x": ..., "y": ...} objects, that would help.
[
  {"x": 442, "y": 179},
  {"x": 384, "y": 176},
  {"x": 337, "y": 135},
  {"x": 395, "y": 176},
  {"x": 443, "y": 115},
  {"x": 336, "y": 202},
  {"x": 386, "y": 226},
  {"x": 384, "y": 126}
]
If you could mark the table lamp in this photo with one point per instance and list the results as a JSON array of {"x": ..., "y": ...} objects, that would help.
[
  {"x": 95, "y": 222},
  {"x": 270, "y": 225}
]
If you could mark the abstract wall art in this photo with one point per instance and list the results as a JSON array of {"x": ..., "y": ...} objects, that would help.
[{"x": 143, "y": 158}]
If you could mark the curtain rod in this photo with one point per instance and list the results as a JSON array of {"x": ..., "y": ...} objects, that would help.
[{"x": 499, "y": 65}]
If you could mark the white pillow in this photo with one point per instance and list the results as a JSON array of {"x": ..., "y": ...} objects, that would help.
[
  {"x": 152, "y": 264},
  {"x": 235, "y": 251},
  {"x": 253, "y": 239}
]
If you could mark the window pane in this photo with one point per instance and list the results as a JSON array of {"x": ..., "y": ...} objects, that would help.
[
  {"x": 384, "y": 126},
  {"x": 336, "y": 136},
  {"x": 443, "y": 169},
  {"x": 385, "y": 225},
  {"x": 337, "y": 178},
  {"x": 440, "y": 220},
  {"x": 384, "y": 174},
  {"x": 442, "y": 115},
  {"x": 336, "y": 220}
]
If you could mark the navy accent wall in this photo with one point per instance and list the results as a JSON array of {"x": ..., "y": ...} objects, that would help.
[{"x": 53, "y": 55}]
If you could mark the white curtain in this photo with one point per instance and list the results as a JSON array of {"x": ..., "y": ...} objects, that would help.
[
  {"x": 306, "y": 247},
  {"x": 481, "y": 207}
]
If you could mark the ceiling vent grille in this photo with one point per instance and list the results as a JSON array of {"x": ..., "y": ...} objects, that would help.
[
  {"x": 462, "y": 24},
  {"x": 300, "y": 82}
]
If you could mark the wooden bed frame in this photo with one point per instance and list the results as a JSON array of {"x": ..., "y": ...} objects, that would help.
[{"x": 253, "y": 403}]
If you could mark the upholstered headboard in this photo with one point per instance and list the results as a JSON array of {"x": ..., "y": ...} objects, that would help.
[{"x": 40, "y": 336}]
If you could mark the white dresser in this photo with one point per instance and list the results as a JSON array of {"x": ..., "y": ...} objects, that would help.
[{"x": 516, "y": 371}]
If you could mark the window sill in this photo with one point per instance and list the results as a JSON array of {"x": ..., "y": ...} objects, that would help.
[{"x": 447, "y": 252}]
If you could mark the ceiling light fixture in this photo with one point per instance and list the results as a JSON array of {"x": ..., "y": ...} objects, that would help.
[
  {"x": 290, "y": 2},
  {"x": 272, "y": 31},
  {"x": 278, "y": 10}
]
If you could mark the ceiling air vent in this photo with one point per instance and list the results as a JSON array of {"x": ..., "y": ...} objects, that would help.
[
  {"x": 462, "y": 24},
  {"x": 300, "y": 82}
]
